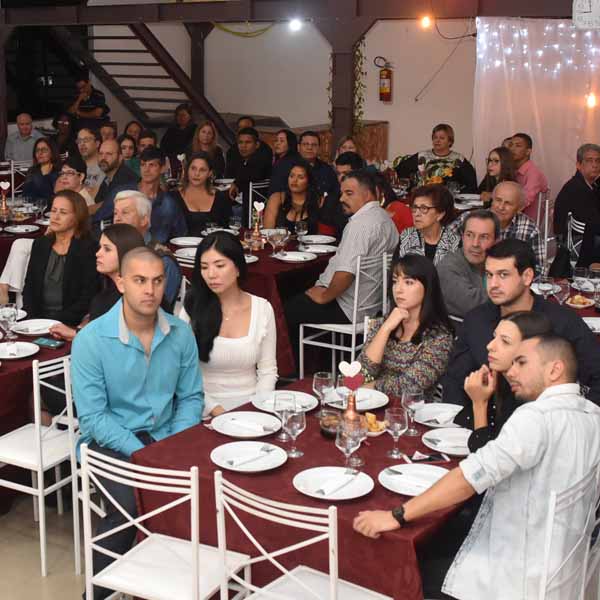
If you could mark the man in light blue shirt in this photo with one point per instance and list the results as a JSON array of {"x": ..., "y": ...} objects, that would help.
[
  {"x": 19, "y": 145},
  {"x": 136, "y": 380}
]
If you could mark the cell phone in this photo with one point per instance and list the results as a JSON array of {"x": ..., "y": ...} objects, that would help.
[{"x": 49, "y": 343}]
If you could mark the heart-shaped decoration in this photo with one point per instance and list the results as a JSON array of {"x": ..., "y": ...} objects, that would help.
[
  {"x": 181, "y": 157},
  {"x": 259, "y": 206},
  {"x": 349, "y": 369},
  {"x": 4, "y": 185},
  {"x": 353, "y": 383}
]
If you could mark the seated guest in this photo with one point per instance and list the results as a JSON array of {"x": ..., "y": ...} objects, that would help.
[
  {"x": 199, "y": 201},
  {"x": 116, "y": 173},
  {"x": 370, "y": 232},
  {"x": 510, "y": 269},
  {"x": 300, "y": 201},
  {"x": 134, "y": 208},
  {"x": 64, "y": 138},
  {"x": 285, "y": 157},
  {"x": 88, "y": 143},
  {"x": 89, "y": 107},
  {"x": 462, "y": 272},
  {"x": 179, "y": 136},
  {"x": 548, "y": 444},
  {"x": 235, "y": 331},
  {"x": 135, "y": 381},
  {"x": 500, "y": 167},
  {"x": 440, "y": 165},
  {"x": 146, "y": 139},
  {"x": 581, "y": 194},
  {"x": 309, "y": 144},
  {"x": 61, "y": 277},
  {"x": 408, "y": 351},
  {"x": 432, "y": 207},
  {"x": 42, "y": 175},
  {"x": 265, "y": 154},
  {"x": 128, "y": 147},
  {"x": 72, "y": 176},
  {"x": 346, "y": 144},
  {"x": 508, "y": 199},
  {"x": 134, "y": 129},
  {"x": 205, "y": 140},
  {"x": 398, "y": 210},
  {"x": 528, "y": 173},
  {"x": 108, "y": 131},
  {"x": 19, "y": 144}
]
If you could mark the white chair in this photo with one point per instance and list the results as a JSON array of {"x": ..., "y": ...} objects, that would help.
[
  {"x": 569, "y": 526},
  {"x": 21, "y": 167},
  {"x": 38, "y": 449},
  {"x": 258, "y": 193},
  {"x": 575, "y": 231},
  {"x": 372, "y": 268},
  {"x": 185, "y": 283},
  {"x": 160, "y": 567},
  {"x": 301, "y": 582}
]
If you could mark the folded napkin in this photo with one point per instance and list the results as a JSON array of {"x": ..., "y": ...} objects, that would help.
[
  {"x": 12, "y": 349},
  {"x": 241, "y": 459},
  {"x": 250, "y": 425},
  {"x": 417, "y": 482},
  {"x": 328, "y": 487},
  {"x": 442, "y": 418}
]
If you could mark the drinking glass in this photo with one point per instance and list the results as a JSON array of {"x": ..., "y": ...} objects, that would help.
[
  {"x": 301, "y": 229},
  {"x": 396, "y": 423},
  {"x": 357, "y": 461},
  {"x": 248, "y": 239},
  {"x": 282, "y": 241},
  {"x": 274, "y": 238},
  {"x": 235, "y": 223},
  {"x": 283, "y": 403},
  {"x": 545, "y": 286},
  {"x": 322, "y": 383},
  {"x": 594, "y": 275},
  {"x": 294, "y": 424},
  {"x": 580, "y": 275},
  {"x": 561, "y": 291},
  {"x": 8, "y": 313},
  {"x": 347, "y": 440},
  {"x": 342, "y": 391},
  {"x": 411, "y": 401}
]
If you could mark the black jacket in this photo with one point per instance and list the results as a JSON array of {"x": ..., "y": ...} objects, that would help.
[
  {"x": 469, "y": 352},
  {"x": 80, "y": 279},
  {"x": 123, "y": 176},
  {"x": 577, "y": 197}
]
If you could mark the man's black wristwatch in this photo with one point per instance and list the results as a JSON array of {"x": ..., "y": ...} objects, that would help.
[{"x": 398, "y": 514}]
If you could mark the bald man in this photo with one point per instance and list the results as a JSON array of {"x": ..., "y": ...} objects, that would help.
[{"x": 19, "y": 144}]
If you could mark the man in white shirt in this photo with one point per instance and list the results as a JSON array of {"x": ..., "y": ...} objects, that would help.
[
  {"x": 548, "y": 444},
  {"x": 19, "y": 145}
]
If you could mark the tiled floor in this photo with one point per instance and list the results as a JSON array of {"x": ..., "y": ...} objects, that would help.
[{"x": 20, "y": 577}]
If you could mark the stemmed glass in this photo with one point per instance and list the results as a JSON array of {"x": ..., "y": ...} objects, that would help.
[
  {"x": 294, "y": 424},
  {"x": 282, "y": 241},
  {"x": 322, "y": 383},
  {"x": 545, "y": 286},
  {"x": 248, "y": 240},
  {"x": 561, "y": 291},
  {"x": 301, "y": 231},
  {"x": 283, "y": 403},
  {"x": 580, "y": 275},
  {"x": 411, "y": 401},
  {"x": 396, "y": 423},
  {"x": 357, "y": 461},
  {"x": 342, "y": 391},
  {"x": 347, "y": 440},
  {"x": 8, "y": 315},
  {"x": 235, "y": 223}
]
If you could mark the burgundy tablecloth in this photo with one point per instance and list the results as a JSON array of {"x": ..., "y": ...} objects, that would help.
[
  {"x": 387, "y": 565},
  {"x": 277, "y": 281}
]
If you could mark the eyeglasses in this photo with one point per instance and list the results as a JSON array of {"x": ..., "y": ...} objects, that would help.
[
  {"x": 63, "y": 122},
  {"x": 493, "y": 160},
  {"x": 69, "y": 173},
  {"x": 421, "y": 209},
  {"x": 86, "y": 140},
  {"x": 309, "y": 145},
  {"x": 42, "y": 150}
]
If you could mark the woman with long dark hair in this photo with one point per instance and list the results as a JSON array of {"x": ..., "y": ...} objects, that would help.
[
  {"x": 300, "y": 201},
  {"x": 64, "y": 138},
  {"x": 134, "y": 128},
  {"x": 285, "y": 156},
  {"x": 235, "y": 331},
  {"x": 41, "y": 177},
  {"x": 408, "y": 350},
  {"x": 128, "y": 147},
  {"x": 500, "y": 167}
]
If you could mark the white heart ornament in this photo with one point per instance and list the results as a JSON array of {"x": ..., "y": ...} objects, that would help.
[
  {"x": 349, "y": 369},
  {"x": 181, "y": 157},
  {"x": 4, "y": 185},
  {"x": 259, "y": 206}
]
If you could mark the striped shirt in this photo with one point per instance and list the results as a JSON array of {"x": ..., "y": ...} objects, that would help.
[{"x": 369, "y": 232}]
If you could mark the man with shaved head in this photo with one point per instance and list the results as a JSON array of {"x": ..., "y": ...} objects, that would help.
[
  {"x": 19, "y": 144},
  {"x": 136, "y": 380}
]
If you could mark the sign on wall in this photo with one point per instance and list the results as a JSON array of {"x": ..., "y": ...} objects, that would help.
[{"x": 586, "y": 14}]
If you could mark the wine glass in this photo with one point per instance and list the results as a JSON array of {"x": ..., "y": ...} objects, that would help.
[
  {"x": 580, "y": 275},
  {"x": 248, "y": 240},
  {"x": 301, "y": 229},
  {"x": 347, "y": 440},
  {"x": 294, "y": 424},
  {"x": 561, "y": 291},
  {"x": 283, "y": 403},
  {"x": 8, "y": 313},
  {"x": 396, "y": 423},
  {"x": 342, "y": 391},
  {"x": 357, "y": 461},
  {"x": 545, "y": 286},
  {"x": 322, "y": 383},
  {"x": 282, "y": 241},
  {"x": 235, "y": 223},
  {"x": 411, "y": 401}
]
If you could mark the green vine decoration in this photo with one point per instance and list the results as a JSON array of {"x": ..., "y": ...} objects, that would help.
[
  {"x": 360, "y": 86},
  {"x": 330, "y": 92}
]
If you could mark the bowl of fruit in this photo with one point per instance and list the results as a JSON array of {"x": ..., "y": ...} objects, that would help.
[{"x": 375, "y": 427}]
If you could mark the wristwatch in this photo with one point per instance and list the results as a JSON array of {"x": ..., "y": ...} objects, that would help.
[{"x": 398, "y": 514}]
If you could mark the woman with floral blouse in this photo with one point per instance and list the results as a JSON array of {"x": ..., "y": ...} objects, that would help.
[{"x": 408, "y": 351}]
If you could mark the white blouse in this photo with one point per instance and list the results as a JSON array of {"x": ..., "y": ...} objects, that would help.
[{"x": 240, "y": 367}]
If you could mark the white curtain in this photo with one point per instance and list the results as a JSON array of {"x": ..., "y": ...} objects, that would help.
[{"x": 533, "y": 75}]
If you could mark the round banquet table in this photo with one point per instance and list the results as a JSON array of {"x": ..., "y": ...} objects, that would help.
[{"x": 387, "y": 565}]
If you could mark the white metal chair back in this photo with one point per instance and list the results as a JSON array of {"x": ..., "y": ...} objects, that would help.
[
  {"x": 258, "y": 193},
  {"x": 178, "y": 308},
  {"x": 234, "y": 501},
  {"x": 387, "y": 263},
  {"x": 569, "y": 526},
  {"x": 21, "y": 167},
  {"x": 544, "y": 218},
  {"x": 105, "y": 223},
  {"x": 96, "y": 467},
  {"x": 575, "y": 229}
]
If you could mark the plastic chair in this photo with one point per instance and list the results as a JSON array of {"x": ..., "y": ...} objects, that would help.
[
  {"x": 301, "y": 582},
  {"x": 569, "y": 526},
  {"x": 160, "y": 566},
  {"x": 258, "y": 193},
  {"x": 39, "y": 448}
]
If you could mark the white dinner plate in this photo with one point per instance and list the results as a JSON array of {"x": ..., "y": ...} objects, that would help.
[
  {"x": 44, "y": 222},
  {"x": 224, "y": 181},
  {"x": 268, "y": 232},
  {"x": 250, "y": 258},
  {"x": 320, "y": 248},
  {"x": 588, "y": 303},
  {"x": 587, "y": 285},
  {"x": 348, "y": 486},
  {"x": 296, "y": 257},
  {"x": 215, "y": 229},
  {"x": 469, "y": 198},
  {"x": 366, "y": 399},
  {"x": 318, "y": 239},
  {"x": 593, "y": 323},
  {"x": 448, "y": 441},
  {"x": 248, "y": 457},
  {"x": 535, "y": 288},
  {"x": 21, "y": 228},
  {"x": 437, "y": 414},
  {"x": 35, "y": 327},
  {"x": 410, "y": 480},
  {"x": 186, "y": 241},
  {"x": 266, "y": 400},
  {"x": 186, "y": 253},
  {"x": 246, "y": 424},
  {"x": 23, "y": 350}
]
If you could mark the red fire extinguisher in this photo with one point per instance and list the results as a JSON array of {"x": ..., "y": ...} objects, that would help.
[{"x": 385, "y": 78}]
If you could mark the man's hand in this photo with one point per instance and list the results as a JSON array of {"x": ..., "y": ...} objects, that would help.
[
  {"x": 480, "y": 385},
  {"x": 60, "y": 331},
  {"x": 372, "y": 523},
  {"x": 317, "y": 294},
  {"x": 233, "y": 192}
]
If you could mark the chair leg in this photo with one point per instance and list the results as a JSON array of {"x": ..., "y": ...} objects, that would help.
[
  {"x": 34, "y": 485},
  {"x": 59, "y": 495},
  {"x": 333, "y": 353},
  {"x": 41, "y": 501},
  {"x": 301, "y": 342},
  {"x": 76, "y": 531}
]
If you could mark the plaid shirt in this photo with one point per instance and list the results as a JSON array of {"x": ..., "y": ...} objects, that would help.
[{"x": 524, "y": 228}]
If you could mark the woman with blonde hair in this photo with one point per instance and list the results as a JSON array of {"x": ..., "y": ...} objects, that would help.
[{"x": 205, "y": 140}]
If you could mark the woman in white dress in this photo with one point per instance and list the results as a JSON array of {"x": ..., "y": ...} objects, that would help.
[{"x": 235, "y": 331}]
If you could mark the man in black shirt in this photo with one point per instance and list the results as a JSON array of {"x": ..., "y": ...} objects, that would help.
[
  {"x": 264, "y": 150},
  {"x": 308, "y": 146},
  {"x": 510, "y": 269},
  {"x": 89, "y": 108}
]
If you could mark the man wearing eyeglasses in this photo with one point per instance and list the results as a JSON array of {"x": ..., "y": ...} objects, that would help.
[
  {"x": 309, "y": 145},
  {"x": 88, "y": 142}
]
